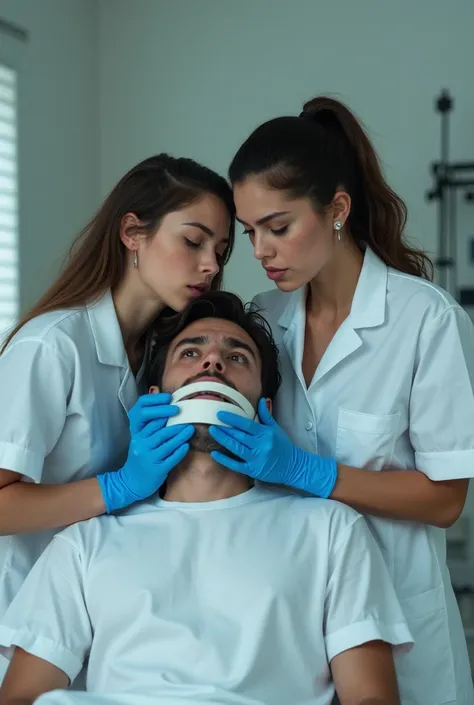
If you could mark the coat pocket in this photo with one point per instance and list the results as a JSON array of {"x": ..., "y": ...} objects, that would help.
[{"x": 366, "y": 440}]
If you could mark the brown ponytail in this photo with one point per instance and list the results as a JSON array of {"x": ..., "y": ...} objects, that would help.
[{"x": 325, "y": 149}]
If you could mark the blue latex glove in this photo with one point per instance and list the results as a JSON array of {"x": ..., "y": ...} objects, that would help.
[
  {"x": 268, "y": 454},
  {"x": 154, "y": 450}
]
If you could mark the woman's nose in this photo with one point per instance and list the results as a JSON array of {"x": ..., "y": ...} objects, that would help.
[
  {"x": 209, "y": 264},
  {"x": 261, "y": 247}
]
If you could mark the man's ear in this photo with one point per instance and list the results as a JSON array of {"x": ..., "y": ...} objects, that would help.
[
  {"x": 269, "y": 405},
  {"x": 153, "y": 390}
]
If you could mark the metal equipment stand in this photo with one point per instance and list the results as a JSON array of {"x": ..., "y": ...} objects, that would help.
[{"x": 448, "y": 181}]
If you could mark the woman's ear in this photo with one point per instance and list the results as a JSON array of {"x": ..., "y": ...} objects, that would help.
[
  {"x": 269, "y": 405},
  {"x": 154, "y": 390},
  {"x": 341, "y": 206},
  {"x": 128, "y": 231}
]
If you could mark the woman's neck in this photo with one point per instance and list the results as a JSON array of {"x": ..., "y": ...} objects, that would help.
[
  {"x": 332, "y": 291},
  {"x": 136, "y": 308}
]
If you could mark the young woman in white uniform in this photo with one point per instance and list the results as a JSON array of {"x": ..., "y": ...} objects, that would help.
[
  {"x": 377, "y": 366},
  {"x": 70, "y": 372}
]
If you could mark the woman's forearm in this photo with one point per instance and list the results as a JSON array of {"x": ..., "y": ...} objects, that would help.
[
  {"x": 401, "y": 494},
  {"x": 26, "y": 507}
]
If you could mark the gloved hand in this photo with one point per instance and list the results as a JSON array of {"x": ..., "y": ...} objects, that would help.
[
  {"x": 154, "y": 450},
  {"x": 269, "y": 455}
]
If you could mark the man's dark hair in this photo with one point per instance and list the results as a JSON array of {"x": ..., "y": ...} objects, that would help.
[{"x": 229, "y": 307}]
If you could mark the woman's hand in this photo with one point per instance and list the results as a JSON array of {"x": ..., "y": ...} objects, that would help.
[
  {"x": 269, "y": 455},
  {"x": 154, "y": 450}
]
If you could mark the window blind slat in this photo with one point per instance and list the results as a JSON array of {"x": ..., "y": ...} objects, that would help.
[
  {"x": 8, "y": 256},
  {"x": 7, "y": 219},
  {"x": 9, "y": 290},
  {"x": 7, "y": 75},
  {"x": 8, "y": 308},
  {"x": 8, "y": 273},
  {"x": 7, "y": 156},
  {"x": 7, "y": 94},
  {"x": 7, "y": 203},
  {"x": 7, "y": 130},
  {"x": 7, "y": 238},
  {"x": 7, "y": 113}
]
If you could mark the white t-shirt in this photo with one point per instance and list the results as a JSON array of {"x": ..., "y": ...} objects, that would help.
[{"x": 243, "y": 600}]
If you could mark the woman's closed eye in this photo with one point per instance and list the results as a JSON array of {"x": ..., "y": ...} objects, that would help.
[
  {"x": 192, "y": 244},
  {"x": 280, "y": 231},
  {"x": 274, "y": 231}
]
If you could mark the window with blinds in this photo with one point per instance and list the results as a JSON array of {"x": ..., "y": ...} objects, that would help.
[{"x": 9, "y": 289}]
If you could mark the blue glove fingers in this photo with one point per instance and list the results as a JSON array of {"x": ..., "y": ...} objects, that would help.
[
  {"x": 227, "y": 462},
  {"x": 158, "y": 439},
  {"x": 218, "y": 432},
  {"x": 230, "y": 444},
  {"x": 151, "y": 413},
  {"x": 264, "y": 415},
  {"x": 175, "y": 458},
  {"x": 165, "y": 445},
  {"x": 145, "y": 403},
  {"x": 239, "y": 422},
  {"x": 152, "y": 427},
  {"x": 153, "y": 399}
]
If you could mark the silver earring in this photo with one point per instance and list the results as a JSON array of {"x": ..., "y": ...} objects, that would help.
[
  {"x": 135, "y": 259},
  {"x": 337, "y": 228}
]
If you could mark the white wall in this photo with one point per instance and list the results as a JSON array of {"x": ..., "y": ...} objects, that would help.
[
  {"x": 194, "y": 78},
  {"x": 58, "y": 131}
]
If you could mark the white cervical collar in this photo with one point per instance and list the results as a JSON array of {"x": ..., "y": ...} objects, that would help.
[{"x": 205, "y": 410}]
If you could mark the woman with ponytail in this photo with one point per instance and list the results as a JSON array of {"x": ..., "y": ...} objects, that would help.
[
  {"x": 72, "y": 370},
  {"x": 376, "y": 408}
]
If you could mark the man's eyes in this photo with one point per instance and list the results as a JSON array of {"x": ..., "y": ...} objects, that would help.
[
  {"x": 235, "y": 357},
  {"x": 188, "y": 353}
]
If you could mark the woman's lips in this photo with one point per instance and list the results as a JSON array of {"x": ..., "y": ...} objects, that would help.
[
  {"x": 197, "y": 290},
  {"x": 275, "y": 274}
]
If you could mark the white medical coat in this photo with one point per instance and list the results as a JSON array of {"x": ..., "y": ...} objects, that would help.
[
  {"x": 66, "y": 387},
  {"x": 393, "y": 389}
]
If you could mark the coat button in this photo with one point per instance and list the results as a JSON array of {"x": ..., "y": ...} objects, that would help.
[{"x": 309, "y": 426}]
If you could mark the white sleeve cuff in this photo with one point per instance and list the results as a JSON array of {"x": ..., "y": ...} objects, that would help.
[
  {"x": 45, "y": 649},
  {"x": 448, "y": 465},
  {"x": 398, "y": 635},
  {"x": 21, "y": 460}
]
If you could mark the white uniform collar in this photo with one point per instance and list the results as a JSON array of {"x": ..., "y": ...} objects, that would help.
[
  {"x": 106, "y": 331},
  {"x": 368, "y": 304}
]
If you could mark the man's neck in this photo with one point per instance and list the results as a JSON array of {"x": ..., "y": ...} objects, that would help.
[{"x": 199, "y": 479}]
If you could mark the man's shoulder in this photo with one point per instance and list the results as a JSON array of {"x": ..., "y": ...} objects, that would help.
[
  {"x": 321, "y": 515},
  {"x": 85, "y": 534}
]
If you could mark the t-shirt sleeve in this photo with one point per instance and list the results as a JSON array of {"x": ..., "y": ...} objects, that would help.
[
  {"x": 35, "y": 386},
  {"x": 442, "y": 398},
  {"x": 360, "y": 604},
  {"x": 48, "y": 617}
]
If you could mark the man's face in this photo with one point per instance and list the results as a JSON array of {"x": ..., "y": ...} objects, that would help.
[{"x": 213, "y": 349}]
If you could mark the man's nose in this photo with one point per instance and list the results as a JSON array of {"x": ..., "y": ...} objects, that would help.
[{"x": 213, "y": 361}]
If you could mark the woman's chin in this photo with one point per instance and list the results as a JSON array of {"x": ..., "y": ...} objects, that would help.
[{"x": 290, "y": 284}]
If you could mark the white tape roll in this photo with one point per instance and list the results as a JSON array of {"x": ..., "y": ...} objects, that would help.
[{"x": 205, "y": 410}]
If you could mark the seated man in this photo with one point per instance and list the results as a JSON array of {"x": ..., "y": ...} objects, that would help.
[{"x": 219, "y": 591}]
